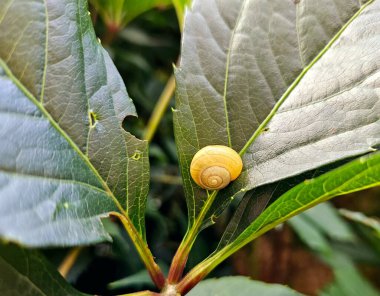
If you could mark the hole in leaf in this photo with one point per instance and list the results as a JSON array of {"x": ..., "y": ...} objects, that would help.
[{"x": 129, "y": 124}]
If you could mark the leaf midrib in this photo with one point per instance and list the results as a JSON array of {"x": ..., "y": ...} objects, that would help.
[
  {"x": 29, "y": 95},
  {"x": 44, "y": 73},
  {"x": 228, "y": 60}
]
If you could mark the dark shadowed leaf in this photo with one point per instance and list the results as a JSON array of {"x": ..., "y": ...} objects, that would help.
[
  {"x": 65, "y": 158},
  {"x": 26, "y": 272}
]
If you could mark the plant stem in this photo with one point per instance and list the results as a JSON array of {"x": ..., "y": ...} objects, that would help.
[
  {"x": 201, "y": 270},
  {"x": 143, "y": 250},
  {"x": 180, "y": 258},
  {"x": 68, "y": 262},
  {"x": 198, "y": 273},
  {"x": 159, "y": 109}
]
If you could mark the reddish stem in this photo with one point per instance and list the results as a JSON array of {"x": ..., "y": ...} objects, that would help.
[{"x": 178, "y": 265}]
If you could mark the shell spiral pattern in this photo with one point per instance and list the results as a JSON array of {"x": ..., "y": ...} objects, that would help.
[{"x": 215, "y": 166}]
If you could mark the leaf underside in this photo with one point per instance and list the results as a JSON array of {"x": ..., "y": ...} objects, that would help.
[
  {"x": 320, "y": 59},
  {"x": 65, "y": 158}
]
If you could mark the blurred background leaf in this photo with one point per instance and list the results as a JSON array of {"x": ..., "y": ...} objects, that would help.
[
  {"x": 318, "y": 229},
  {"x": 118, "y": 13},
  {"x": 241, "y": 286}
]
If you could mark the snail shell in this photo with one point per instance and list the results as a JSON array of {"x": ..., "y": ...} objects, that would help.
[{"x": 214, "y": 167}]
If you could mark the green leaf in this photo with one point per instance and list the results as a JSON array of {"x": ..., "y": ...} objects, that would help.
[
  {"x": 138, "y": 279},
  {"x": 180, "y": 6},
  {"x": 26, "y": 272},
  {"x": 357, "y": 175},
  {"x": 241, "y": 286},
  {"x": 118, "y": 13},
  {"x": 65, "y": 159},
  {"x": 309, "y": 69}
]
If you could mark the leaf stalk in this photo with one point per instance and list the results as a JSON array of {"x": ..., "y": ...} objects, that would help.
[
  {"x": 180, "y": 258},
  {"x": 142, "y": 248}
]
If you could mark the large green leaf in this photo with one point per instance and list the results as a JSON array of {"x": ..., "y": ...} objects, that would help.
[
  {"x": 238, "y": 285},
  {"x": 242, "y": 59},
  {"x": 25, "y": 272},
  {"x": 65, "y": 159}
]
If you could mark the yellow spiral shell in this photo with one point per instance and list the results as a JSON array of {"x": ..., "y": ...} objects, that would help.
[{"x": 215, "y": 166}]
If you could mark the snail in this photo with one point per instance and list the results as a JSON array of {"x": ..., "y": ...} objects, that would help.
[{"x": 215, "y": 166}]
